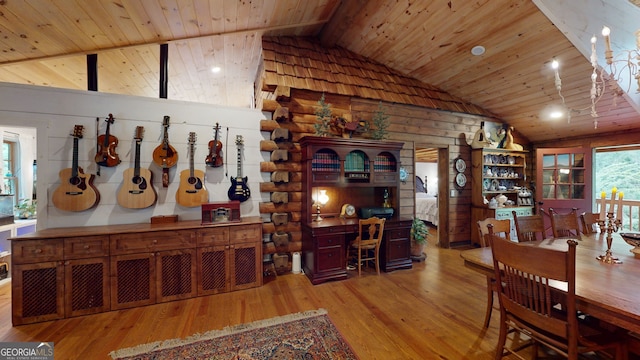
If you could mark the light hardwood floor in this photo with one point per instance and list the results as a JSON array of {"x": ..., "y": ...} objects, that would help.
[{"x": 433, "y": 311}]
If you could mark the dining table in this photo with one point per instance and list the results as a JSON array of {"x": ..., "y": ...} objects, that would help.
[{"x": 608, "y": 291}]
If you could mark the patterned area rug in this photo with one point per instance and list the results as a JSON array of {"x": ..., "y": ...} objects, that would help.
[{"x": 306, "y": 335}]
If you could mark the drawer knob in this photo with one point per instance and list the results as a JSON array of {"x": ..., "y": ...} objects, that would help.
[
  {"x": 86, "y": 247},
  {"x": 37, "y": 251},
  {"x": 155, "y": 241}
]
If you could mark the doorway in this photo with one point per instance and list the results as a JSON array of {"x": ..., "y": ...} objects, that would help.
[{"x": 430, "y": 191}]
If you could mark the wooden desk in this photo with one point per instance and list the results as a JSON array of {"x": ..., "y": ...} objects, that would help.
[{"x": 610, "y": 292}]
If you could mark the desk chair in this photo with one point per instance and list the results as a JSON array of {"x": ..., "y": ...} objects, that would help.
[
  {"x": 589, "y": 222},
  {"x": 565, "y": 225},
  {"x": 367, "y": 244},
  {"x": 527, "y": 302},
  {"x": 485, "y": 227},
  {"x": 529, "y": 228}
]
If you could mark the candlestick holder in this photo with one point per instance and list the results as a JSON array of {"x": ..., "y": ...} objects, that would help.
[{"x": 610, "y": 225}]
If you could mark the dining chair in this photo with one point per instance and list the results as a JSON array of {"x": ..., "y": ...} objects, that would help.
[
  {"x": 529, "y": 228},
  {"x": 485, "y": 227},
  {"x": 366, "y": 246},
  {"x": 565, "y": 225},
  {"x": 589, "y": 222},
  {"x": 528, "y": 296}
]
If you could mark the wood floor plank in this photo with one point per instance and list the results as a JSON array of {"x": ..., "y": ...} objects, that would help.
[{"x": 433, "y": 311}]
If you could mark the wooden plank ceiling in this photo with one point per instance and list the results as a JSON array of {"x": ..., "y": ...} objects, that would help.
[{"x": 46, "y": 42}]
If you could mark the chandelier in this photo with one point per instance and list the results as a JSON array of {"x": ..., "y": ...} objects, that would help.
[{"x": 624, "y": 65}]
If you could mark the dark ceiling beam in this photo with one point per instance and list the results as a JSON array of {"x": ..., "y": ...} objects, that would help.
[
  {"x": 164, "y": 70},
  {"x": 92, "y": 72}
]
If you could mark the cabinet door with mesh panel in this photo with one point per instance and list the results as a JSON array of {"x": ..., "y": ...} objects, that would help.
[
  {"x": 213, "y": 270},
  {"x": 133, "y": 280},
  {"x": 247, "y": 266},
  {"x": 87, "y": 286},
  {"x": 37, "y": 292},
  {"x": 176, "y": 275}
]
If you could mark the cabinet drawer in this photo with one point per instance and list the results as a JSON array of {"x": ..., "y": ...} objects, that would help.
[
  {"x": 330, "y": 240},
  {"x": 388, "y": 177},
  {"x": 85, "y": 247},
  {"x": 395, "y": 234},
  {"x": 326, "y": 176},
  {"x": 331, "y": 230},
  {"x": 213, "y": 237},
  {"x": 32, "y": 251},
  {"x": 152, "y": 241},
  {"x": 243, "y": 234},
  {"x": 330, "y": 259}
]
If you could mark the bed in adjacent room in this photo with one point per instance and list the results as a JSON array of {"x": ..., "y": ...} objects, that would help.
[{"x": 426, "y": 204}]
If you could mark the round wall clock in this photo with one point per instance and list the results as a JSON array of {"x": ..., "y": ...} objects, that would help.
[
  {"x": 461, "y": 180},
  {"x": 348, "y": 211},
  {"x": 461, "y": 166},
  {"x": 403, "y": 174}
]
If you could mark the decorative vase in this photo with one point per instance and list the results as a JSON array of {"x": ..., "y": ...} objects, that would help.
[{"x": 417, "y": 249}]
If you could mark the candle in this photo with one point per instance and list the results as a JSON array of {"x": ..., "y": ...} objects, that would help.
[
  {"x": 594, "y": 56},
  {"x": 620, "y": 205},
  {"x": 613, "y": 198},
  {"x": 555, "y": 65},
  {"x": 603, "y": 204},
  {"x": 608, "y": 54}
]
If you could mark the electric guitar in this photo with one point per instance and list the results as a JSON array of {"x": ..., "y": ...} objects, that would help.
[
  {"x": 239, "y": 189},
  {"x": 76, "y": 191},
  {"x": 191, "y": 191},
  {"x": 215, "y": 146},
  {"x": 137, "y": 190},
  {"x": 106, "y": 154},
  {"x": 165, "y": 155}
]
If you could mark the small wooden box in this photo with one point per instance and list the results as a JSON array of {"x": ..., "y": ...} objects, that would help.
[
  {"x": 163, "y": 219},
  {"x": 221, "y": 212}
]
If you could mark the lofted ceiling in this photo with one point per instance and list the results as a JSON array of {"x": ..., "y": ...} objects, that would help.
[{"x": 46, "y": 43}]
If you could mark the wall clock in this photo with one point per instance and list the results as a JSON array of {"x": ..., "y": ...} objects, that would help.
[
  {"x": 403, "y": 174},
  {"x": 348, "y": 211}
]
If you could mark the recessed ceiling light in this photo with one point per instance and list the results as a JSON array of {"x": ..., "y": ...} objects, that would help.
[
  {"x": 556, "y": 114},
  {"x": 216, "y": 69},
  {"x": 478, "y": 50}
]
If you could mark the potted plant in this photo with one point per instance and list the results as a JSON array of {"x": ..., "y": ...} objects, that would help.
[
  {"x": 419, "y": 233},
  {"x": 26, "y": 209}
]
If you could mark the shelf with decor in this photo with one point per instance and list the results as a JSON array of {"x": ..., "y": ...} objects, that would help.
[{"x": 499, "y": 186}]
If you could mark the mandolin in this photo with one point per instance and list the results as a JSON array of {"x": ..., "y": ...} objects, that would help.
[
  {"x": 215, "y": 147},
  {"x": 165, "y": 155},
  {"x": 106, "y": 154},
  {"x": 76, "y": 191},
  {"x": 191, "y": 191},
  {"x": 137, "y": 190},
  {"x": 239, "y": 189}
]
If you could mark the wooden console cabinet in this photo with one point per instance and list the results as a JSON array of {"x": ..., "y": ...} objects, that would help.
[
  {"x": 360, "y": 172},
  {"x": 66, "y": 272}
]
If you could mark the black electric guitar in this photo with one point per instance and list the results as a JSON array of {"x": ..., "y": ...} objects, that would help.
[
  {"x": 239, "y": 189},
  {"x": 76, "y": 191},
  {"x": 191, "y": 191},
  {"x": 137, "y": 190}
]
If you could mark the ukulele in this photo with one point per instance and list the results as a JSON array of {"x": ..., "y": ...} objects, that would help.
[
  {"x": 215, "y": 146},
  {"x": 191, "y": 191},
  {"x": 76, "y": 191},
  {"x": 165, "y": 155},
  {"x": 239, "y": 189},
  {"x": 137, "y": 190},
  {"x": 106, "y": 154}
]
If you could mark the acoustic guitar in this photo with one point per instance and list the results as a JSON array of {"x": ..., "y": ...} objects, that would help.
[
  {"x": 165, "y": 155},
  {"x": 106, "y": 154},
  {"x": 137, "y": 190},
  {"x": 239, "y": 189},
  {"x": 215, "y": 147},
  {"x": 76, "y": 191},
  {"x": 191, "y": 191}
]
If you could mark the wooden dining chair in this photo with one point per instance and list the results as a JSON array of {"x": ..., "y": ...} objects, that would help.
[
  {"x": 366, "y": 246},
  {"x": 565, "y": 225},
  {"x": 501, "y": 228},
  {"x": 529, "y": 228},
  {"x": 589, "y": 222},
  {"x": 528, "y": 298}
]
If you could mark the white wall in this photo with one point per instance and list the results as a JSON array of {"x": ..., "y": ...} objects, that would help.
[
  {"x": 54, "y": 112},
  {"x": 430, "y": 170}
]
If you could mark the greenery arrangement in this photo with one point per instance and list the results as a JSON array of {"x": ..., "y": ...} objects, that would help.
[
  {"x": 26, "y": 208},
  {"x": 380, "y": 123},
  {"x": 419, "y": 231},
  {"x": 323, "y": 114}
]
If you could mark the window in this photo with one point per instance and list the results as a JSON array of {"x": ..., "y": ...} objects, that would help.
[
  {"x": 563, "y": 176},
  {"x": 8, "y": 165}
]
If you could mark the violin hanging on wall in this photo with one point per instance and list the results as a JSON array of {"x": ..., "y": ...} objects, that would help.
[
  {"x": 106, "y": 154},
  {"x": 214, "y": 159}
]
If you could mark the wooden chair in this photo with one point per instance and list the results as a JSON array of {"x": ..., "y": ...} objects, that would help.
[
  {"x": 367, "y": 245},
  {"x": 565, "y": 225},
  {"x": 485, "y": 227},
  {"x": 529, "y": 228},
  {"x": 527, "y": 302},
  {"x": 589, "y": 222}
]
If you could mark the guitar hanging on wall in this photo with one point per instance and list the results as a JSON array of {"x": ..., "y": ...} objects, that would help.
[
  {"x": 165, "y": 155},
  {"x": 106, "y": 154},
  {"x": 137, "y": 190},
  {"x": 239, "y": 189},
  {"x": 191, "y": 191},
  {"x": 76, "y": 191},
  {"x": 215, "y": 147}
]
